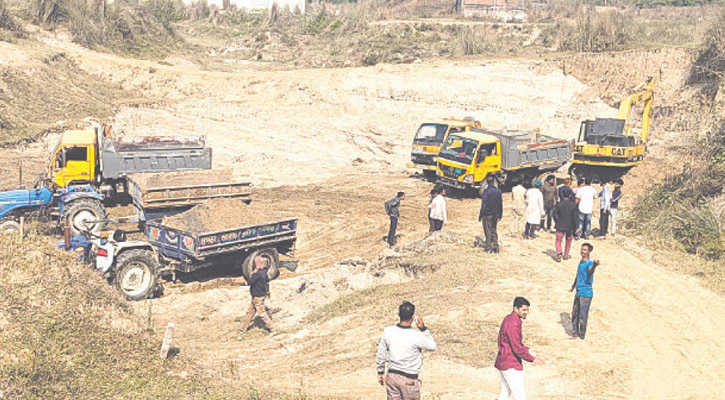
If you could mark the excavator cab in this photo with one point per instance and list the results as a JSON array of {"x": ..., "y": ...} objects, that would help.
[{"x": 605, "y": 132}]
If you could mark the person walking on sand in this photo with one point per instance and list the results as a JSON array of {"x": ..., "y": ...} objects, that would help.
[
  {"x": 566, "y": 216},
  {"x": 259, "y": 289},
  {"x": 614, "y": 204},
  {"x": 392, "y": 208},
  {"x": 534, "y": 210},
  {"x": 400, "y": 348},
  {"x": 585, "y": 196},
  {"x": 584, "y": 292},
  {"x": 551, "y": 197},
  {"x": 438, "y": 210},
  {"x": 605, "y": 204},
  {"x": 490, "y": 214},
  {"x": 511, "y": 351}
]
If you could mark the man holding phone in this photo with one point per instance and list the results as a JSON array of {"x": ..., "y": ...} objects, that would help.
[{"x": 401, "y": 349}]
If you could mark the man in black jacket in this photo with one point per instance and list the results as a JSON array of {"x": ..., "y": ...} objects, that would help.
[
  {"x": 566, "y": 216},
  {"x": 491, "y": 212},
  {"x": 259, "y": 289},
  {"x": 392, "y": 208}
]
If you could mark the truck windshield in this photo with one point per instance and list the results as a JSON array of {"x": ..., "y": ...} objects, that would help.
[
  {"x": 458, "y": 149},
  {"x": 432, "y": 133}
]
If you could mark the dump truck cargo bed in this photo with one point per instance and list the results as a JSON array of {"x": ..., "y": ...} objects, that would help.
[{"x": 167, "y": 190}]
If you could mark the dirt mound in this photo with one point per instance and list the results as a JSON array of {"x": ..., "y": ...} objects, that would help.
[{"x": 216, "y": 215}]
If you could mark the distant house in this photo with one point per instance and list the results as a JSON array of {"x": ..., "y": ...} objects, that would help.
[
  {"x": 257, "y": 4},
  {"x": 504, "y": 10}
]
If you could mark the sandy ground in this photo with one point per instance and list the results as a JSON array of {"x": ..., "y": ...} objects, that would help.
[{"x": 329, "y": 147}]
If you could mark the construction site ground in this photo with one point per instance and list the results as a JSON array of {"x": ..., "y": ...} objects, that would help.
[{"x": 329, "y": 146}]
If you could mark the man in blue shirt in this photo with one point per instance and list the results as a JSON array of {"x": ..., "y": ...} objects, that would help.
[{"x": 583, "y": 285}]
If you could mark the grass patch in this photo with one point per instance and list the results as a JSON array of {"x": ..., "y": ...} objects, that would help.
[
  {"x": 54, "y": 94},
  {"x": 67, "y": 334},
  {"x": 126, "y": 27}
]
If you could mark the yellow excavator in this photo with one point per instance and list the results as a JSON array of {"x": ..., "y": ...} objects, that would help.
[{"x": 608, "y": 147}]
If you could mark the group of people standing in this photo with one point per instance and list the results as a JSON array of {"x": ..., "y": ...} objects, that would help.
[{"x": 569, "y": 209}]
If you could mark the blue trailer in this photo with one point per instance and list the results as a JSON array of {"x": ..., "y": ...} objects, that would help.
[{"x": 135, "y": 266}]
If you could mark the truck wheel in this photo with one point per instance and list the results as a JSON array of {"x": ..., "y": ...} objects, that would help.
[
  {"x": 9, "y": 227},
  {"x": 136, "y": 274},
  {"x": 429, "y": 175},
  {"x": 271, "y": 259},
  {"x": 82, "y": 210}
]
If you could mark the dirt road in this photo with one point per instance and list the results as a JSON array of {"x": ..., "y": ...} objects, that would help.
[{"x": 329, "y": 146}]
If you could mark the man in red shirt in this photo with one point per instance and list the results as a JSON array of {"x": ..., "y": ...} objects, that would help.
[{"x": 511, "y": 351}]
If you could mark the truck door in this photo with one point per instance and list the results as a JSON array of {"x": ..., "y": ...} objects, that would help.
[
  {"x": 73, "y": 164},
  {"x": 488, "y": 160}
]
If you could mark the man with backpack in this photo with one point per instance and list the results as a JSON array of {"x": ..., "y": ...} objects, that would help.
[{"x": 392, "y": 208}]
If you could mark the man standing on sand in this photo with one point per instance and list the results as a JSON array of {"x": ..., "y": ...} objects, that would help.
[
  {"x": 431, "y": 223},
  {"x": 490, "y": 214},
  {"x": 392, "y": 208},
  {"x": 585, "y": 196},
  {"x": 511, "y": 351},
  {"x": 400, "y": 348},
  {"x": 584, "y": 292},
  {"x": 438, "y": 210},
  {"x": 551, "y": 196},
  {"x": 566, "y": 184},
  {"x": 518, "y": 199},
  {"x": 534, "y": 210},
  {"x": 614, "y": 204},
  {"x": 565, "y": 216},
  {"x": 605, "y": 203},
  {"x": 259, "y": 289}
]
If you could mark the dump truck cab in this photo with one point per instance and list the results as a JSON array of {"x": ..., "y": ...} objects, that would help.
[
  {"x": 73, "y": 159},
  {"x": 466, "y": 158},
  {"x": 428, "y": 139}
]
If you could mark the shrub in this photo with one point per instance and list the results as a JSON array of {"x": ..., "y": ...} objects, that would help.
[
  {"x": 7, "y": 21},
  {"x": 709, "y": 66},
  {"x": 685, "y": 207},
  {"x": 592, "y": 31}
]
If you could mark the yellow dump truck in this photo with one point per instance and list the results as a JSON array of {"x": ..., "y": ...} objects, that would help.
[
  {"x": 428, "y": 139},
  {"x": 608, "y": 147},
  {"x": 93, "y": 157},
  {"x": 466, "y": 158}
]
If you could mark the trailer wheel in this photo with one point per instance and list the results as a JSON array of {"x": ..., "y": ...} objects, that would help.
[
  {"x": 9, "y": 227},
  {"x": 271, "y": 259},
  {"x": 82, "y": 210},
  {"x": 136, "y": 274}
]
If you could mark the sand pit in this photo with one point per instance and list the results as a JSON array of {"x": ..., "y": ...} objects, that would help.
[{"x": 216, "y": 215}]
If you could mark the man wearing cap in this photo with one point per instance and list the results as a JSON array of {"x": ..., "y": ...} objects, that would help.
[
  {"x": 401, "y": 349},
  {"x": 259, "y": 289}
]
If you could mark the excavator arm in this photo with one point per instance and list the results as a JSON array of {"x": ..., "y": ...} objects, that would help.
[{"x": 643, "y": 94}]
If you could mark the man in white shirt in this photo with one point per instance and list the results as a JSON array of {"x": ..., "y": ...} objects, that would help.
[
  {"x": 438, "y": 210},
  {"x": 605, "y": 202},
  {"x": 534, "y": 210},
  {"x": 518, "y": 194},
  {"x": 401, "y": 349},
  {"x": 585, "y": 197}
]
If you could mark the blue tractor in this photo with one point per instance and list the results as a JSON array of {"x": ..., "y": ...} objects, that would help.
[{"x": 80, "y": 204}]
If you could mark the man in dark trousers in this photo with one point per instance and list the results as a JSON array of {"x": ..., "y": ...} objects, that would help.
[
  {"x": 490, "y": 214},
  {"x": 511, "y": 351},
  {"x": 566, "y": 216},
  {"x": 584, "y": 292},
  {"x": 400, "y": 349},
  {"x": 392, "y": 208},
  {"x": 551, "y": 196},
  {"x": 259, "y": 289}
]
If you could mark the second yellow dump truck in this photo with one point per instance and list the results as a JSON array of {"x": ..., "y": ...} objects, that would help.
[
  {"x": 428, "y": 139},
  {"x": 466, "y": 158}
]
